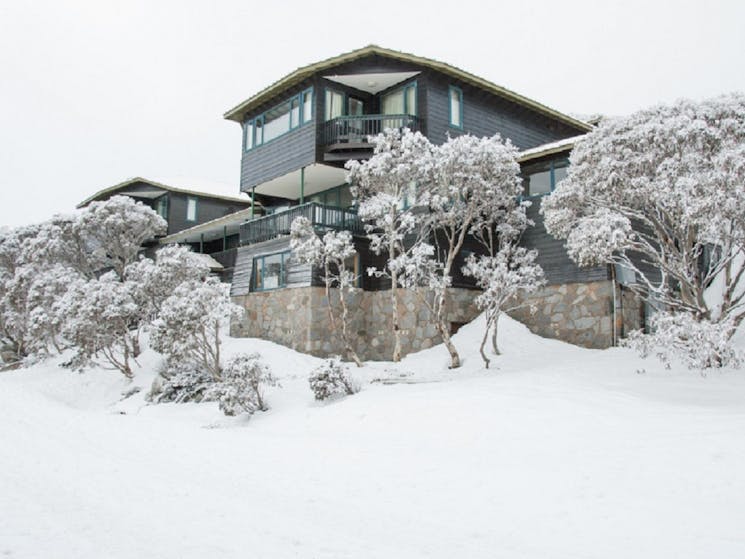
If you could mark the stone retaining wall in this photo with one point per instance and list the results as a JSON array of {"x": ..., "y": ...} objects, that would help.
[{"x": 579, "y": 313}]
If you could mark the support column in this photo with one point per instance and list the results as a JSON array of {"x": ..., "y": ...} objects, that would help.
[
  {"x": 201, "y": 243},
  {"x": 224, "y": 237},
  {"x": 302, "y": 185},
  {"x": 253, "y": 195}
]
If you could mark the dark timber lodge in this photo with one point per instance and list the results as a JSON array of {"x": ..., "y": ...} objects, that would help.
[{"x": 297, "y": 135}]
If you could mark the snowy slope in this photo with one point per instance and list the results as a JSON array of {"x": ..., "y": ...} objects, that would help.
[{"x": 559, "y": 452}]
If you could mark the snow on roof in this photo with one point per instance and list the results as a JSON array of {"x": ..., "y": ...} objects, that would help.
[
  {"x": 197, "y": 187},
  {"x": 547, "y": 149}
]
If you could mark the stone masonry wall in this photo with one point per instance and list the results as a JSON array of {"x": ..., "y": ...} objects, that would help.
[
  {"x": 579, "y": 313},
  {"x": 299, "y": 318}
]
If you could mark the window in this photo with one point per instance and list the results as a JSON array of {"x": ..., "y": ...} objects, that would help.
[
  {"x": 161, "y": 207},
  {"x": 334, "y": 104},
  {"x": 542, "y": 178},
  {"x": 270, "y": 271},
  {"x": 401, "y": 101},
  {"x": 278, "y": 120},
  {"x": 191, "y": 209},
  {"x": 456, "y": 106}
]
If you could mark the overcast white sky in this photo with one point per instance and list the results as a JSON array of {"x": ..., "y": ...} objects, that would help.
[{"x": 93, "y": 92}]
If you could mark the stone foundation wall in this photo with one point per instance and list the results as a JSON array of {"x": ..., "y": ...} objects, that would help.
[
  {"x": 299, "y": 318},
  {"x": 578, "y": 313}
]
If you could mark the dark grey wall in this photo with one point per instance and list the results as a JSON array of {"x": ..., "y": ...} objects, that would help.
[
  {"x": 485, "y": 114},
  {"x": 207, "y": 210},
  {"x": 552, "y": 256},
  {"x": 298, "y": 275}
]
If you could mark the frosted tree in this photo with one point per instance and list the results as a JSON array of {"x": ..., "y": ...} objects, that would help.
[
  {"x": 114, "y": 231},
  {"x": 472, "y": 186},
  {"x": 332, "y": 254},
  {"x": 61, "y": 241},
  {"x": 46, "y": 291},
  {"x": 662, "y": 193},
  {"x": 241, "y": 388},
  {"x": 386, "y": 193},
  {"x": 154, "y": 280},
  {"x": 190, "y": 322},
  {"x": 101, "y": 320},
  {"x": 506, "y": 277}
]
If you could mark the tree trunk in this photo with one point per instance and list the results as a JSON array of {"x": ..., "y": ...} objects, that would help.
[
  {"x": 394, "y": 308},
  {"x": 483, "y": 344},
  {"x": 351, "y": 353},
  {"x": 495, "y": 320},
  {"x": 442, "y": 326}
]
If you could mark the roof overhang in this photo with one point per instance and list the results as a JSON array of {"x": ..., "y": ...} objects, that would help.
[
  {"x": 211, "y": 230},
  {"x": 560, "y": 146},
  {"x": 317, "y": 178},
  {"x": 159, "y": 189},
  {"x": 372, "y": 83},
  {"x": 238, "y": 112}
]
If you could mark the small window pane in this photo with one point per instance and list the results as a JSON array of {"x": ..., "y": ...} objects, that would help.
[
  {"x": 539, "y": 183},
  {"x": 273, "y": 271},
  {"x": 294, "y": 113},
  {"x": 411, "y": 100},
  {"x": 456, "y": 113},
  {"x": 249, "y": 131},
  {"x": 560, "y": 173},
  {"x": 191, "y": 209},
  {"x": 259, "y": 132},
  {"x": 162, "y": 207},
  {"x": 276, "y": 121},
  {"x": 307, "y": 106},
  {"x": 334, "y": 104},
  {"x": 393, "y": 103}
]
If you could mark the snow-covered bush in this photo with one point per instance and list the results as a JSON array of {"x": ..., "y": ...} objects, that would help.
[
  {"x": 332, "y": 255},
  {"x": 101, "y": 319},
  {"x": 181, "y": 385},
  {"x": 190, "y": 321},
  {"x": 241, "y": 389},
  {"x": 662, "y": 193},
  {"x": 506, "y": 278},
  {"x": 698, "y": 344},
  {"x": 332, "y": 378}
]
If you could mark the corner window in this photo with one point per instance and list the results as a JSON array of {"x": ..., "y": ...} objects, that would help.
[
  {"x": 278, "y": 120},
  {"x": 270, "y": 271},
  {"x": 334, "y": 104},
  {"x": 455, "y": 94},
  {"x": 191, "y": 209},
  {"x": 542, "y": 178}
]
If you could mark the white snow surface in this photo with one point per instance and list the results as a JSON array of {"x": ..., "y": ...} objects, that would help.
[{"x": 556, "y": 451}]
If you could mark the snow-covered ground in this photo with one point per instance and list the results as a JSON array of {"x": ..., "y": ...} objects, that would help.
[{"x": 554, "y": 452}]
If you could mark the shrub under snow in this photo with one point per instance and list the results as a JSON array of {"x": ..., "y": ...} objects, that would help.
[{"x": 332, "y": 378}]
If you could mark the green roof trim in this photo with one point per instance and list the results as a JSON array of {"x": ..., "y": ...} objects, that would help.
[{"x": 238, "y": 112}]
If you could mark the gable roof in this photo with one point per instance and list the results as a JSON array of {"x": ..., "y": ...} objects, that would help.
[
  {"x": 559, "y": 146},
  {"x": 238, "y": 112},
  {"x": 181, "y": 185}
]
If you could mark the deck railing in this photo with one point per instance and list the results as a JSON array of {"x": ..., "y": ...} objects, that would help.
[
  {"x": 322, "y": 216},
  {"x": 356, "y": 129}
]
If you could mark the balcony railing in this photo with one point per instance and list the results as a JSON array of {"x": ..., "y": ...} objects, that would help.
[
  {"x": 274, "y": 225},
  {"x": 354, "y": 130}
]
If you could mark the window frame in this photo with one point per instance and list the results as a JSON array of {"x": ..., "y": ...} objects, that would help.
[
  {"x": 455, "y": 89},
  {"x": 286, "y": 255},
  {"x": 196, "y": 208},
  {"x": 259, "y": 119},
  {"x": 403, "y": 89},
  {"x": 554, "y": 164}
]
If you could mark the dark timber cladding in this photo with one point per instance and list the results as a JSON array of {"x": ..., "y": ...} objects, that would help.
[{"x": 207, "y": 210}]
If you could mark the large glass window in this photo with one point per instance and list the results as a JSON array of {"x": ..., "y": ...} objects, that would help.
[
  {"x": 401, "y": 101},
  {"x": 270, "y": 271},
  {"x": 334, "y": 104},
  {"x": 456, "y": 107},
  {"x": 542, "y": 178},
  {"x": 161, "y": 206},
  {"x": 279, "y": 120}
]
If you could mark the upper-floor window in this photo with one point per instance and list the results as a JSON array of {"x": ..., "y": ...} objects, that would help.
[
  {"x": 191, "y": 209},
  {"x": 278, "y": 120},
  {"x": 270, "y": 271},
  {"x": 402, "y": 101},
  {"x": 334, "y": 106},
  {"x": 542, "y": 178},
  {"x": 161, "y": 206},
  {"x": 455, "y": 95}
]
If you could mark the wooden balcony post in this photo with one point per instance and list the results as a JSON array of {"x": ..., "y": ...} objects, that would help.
[
  {"x": 302, "y": 185},
  {"x": 253, "y": 195}
]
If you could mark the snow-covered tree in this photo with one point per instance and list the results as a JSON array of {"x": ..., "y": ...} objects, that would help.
[
  {"x": 46, "y": 292},
  {"x": 154, "y": 280},
  {"x": 662, "y": 193},
  {"x": 332, "y": 254},
  {"x": 101, "y": 319},
  {"x": 332, "y": 378},
  {"x": 472, "y": 187},
  {"x": 190, "y": 321},
  {"x": 115, "y": 229},
  {"x": 385, "y": 187},
  {"x": 506, "y": 277}
]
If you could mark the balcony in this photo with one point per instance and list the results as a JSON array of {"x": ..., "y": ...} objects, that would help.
[
  {"x": 275, "y": 225},
  {"x": 346, "y": 134}
]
